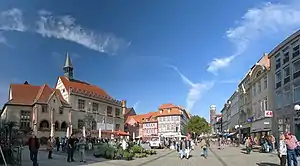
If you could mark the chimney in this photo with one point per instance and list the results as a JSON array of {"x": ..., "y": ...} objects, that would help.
[{"x": 123, "y": 106}]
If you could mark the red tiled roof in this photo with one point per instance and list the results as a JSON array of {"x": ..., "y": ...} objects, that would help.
[
  {"x": 26, "y": 94},
  {"x": 168, "y": 105},
  {"x": 139, "y": 118},
  {"x": 83, "y": 86}
]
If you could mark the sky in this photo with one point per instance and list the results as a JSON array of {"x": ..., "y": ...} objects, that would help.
[{"x": 189, "y": 53}]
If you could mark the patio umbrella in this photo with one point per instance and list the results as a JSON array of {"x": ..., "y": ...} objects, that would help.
[
  {"x": 68, "y": 132},
  {"x": 71, "y": 129},
  {"x": 52, "y": 131},
  {"x": 99, "y": 133},
  {"x": 83, "y": 131}
]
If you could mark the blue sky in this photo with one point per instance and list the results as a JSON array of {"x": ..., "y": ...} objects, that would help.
[{"x": 190, "y": 53}]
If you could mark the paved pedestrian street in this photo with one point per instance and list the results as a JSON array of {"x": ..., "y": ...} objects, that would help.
[
  {"x": 234, "y": 156},
  {"x": 230, "y": 156}
]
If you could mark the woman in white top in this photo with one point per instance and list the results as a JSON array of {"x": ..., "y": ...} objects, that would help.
[{"x": 282, "y": 151}]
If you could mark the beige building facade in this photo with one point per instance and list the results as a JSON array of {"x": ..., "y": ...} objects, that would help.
[
  {"x": 260, "y": 96},
  {"x": 37, "y": 108},
  {"x": 71, "y": 105}
]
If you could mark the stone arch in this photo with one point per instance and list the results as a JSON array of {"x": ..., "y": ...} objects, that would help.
[
  {"x": 257, "y": 70},
  {"x": 44, "y": 124},
  {"x": 56, "y": 125},
  {"x": 63, "y": 126},
  {"x": 94, "y": 125}
]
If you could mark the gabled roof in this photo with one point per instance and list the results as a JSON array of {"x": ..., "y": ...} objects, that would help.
[
  {"x": 141, "y": 117},
  {"x": 26, "y": 94},
  {"x": 84, "y": 86},
  {"x": 168, "y": 105},
  {"x": 128, "y": 110}
]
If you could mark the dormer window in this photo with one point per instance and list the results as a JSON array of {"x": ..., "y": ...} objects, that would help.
[
  {"x": 160, "y": 111},
  {"x": 169, "y": 110}
]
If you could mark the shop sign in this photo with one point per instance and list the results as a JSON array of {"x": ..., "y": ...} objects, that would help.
[{"x": 268, "y": 114}]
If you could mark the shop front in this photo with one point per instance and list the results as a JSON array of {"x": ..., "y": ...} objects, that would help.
[{"x": 261, "y": 125}]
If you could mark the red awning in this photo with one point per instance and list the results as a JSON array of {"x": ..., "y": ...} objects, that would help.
[{"x": 121, "y": 133}]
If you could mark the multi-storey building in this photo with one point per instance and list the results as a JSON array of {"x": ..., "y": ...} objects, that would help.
[
  {"x": 217, "y": 125},
  {"x": 245, "y": 108},
  {"x": 144, "y": 125},
  {"x": 233, "y": 107},
  {"x": 90, "y": 104},
  {"x": 260, "y": 96},
  {"x": 38, "y": 108},
  {"x": 71, "y": 105},
  {"x": 225, "y": 118},
  {"x": 171, "y": 119},
  {"x": 212, "y": 113},
  {"x": 285, "y": 84}
]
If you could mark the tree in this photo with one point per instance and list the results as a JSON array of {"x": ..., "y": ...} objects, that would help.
[{"x": 198, "y": 125}]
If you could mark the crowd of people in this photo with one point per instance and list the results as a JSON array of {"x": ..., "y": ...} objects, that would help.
[{"x": 70, "y": 145}]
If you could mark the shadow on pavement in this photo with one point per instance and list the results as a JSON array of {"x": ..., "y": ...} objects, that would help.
[{"x": 267, "y": 164}]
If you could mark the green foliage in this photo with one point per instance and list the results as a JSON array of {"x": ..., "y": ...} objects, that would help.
[
  {"x": 198, "y": 125},
  {"x": 116, "y": 152}
]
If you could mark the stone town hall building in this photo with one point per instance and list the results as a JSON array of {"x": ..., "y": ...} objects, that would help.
[{"x": 71, "y": 104}]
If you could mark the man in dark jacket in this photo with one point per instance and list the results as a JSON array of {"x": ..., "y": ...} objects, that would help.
[
  {"x": 71, "y": 148},
  {"x": 34, "y": 146}
]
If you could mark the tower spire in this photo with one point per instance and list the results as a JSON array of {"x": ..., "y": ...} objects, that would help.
[{"x": 68, "y": 68}]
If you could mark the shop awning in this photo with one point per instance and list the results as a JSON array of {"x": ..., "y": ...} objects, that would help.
[{"x": 121, "y": 133}]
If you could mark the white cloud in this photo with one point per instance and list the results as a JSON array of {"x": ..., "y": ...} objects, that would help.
[
  {"x": 196, "y": 89},
  {"x": 65, "y": 27},
  {"x": 136, "y": 105},
  {"x": 61, "y": 27},
  {"x": 12, "y": 20},
  {"x": 267, "y": 19}
]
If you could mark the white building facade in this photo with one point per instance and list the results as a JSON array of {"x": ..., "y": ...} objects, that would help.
[{"x": 171, "y": 119}]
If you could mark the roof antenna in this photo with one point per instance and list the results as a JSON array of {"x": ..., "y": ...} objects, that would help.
[{"x": 26, "y": 83}]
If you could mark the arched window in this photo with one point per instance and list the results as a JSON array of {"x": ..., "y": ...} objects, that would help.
[
  {"x": 56, "y": 125},
  {"x": 63, "y": 126},
  {"x": 94, "y": 125},
  {"x": 258, "y": 74},
  {"x": 44, "y": 124}
]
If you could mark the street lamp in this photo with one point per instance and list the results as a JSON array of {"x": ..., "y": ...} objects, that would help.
[{"x": 297, "y": 107}]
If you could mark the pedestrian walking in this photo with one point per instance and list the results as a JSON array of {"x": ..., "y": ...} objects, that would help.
[
  {"x": 49, "y": 147},
  {"x": 57, "y": 142},
  {"x": 282, "y": 150},
  {"x": 34, "y": 146},
  {"x": 82, "y": 146},
  {"x": 248, "y": 145},
  {"x": 71, "y": 148},
  {"x": 181, "y": 149},
  {"x": 203, "y": 146},
  {"x": 291, "y": 143}
]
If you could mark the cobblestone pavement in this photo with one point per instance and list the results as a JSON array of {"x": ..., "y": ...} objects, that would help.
[
  {"x": 61, "y": 159},
  {"x": 230, "y": 156},
  {"x": 234, "y": 156}
]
